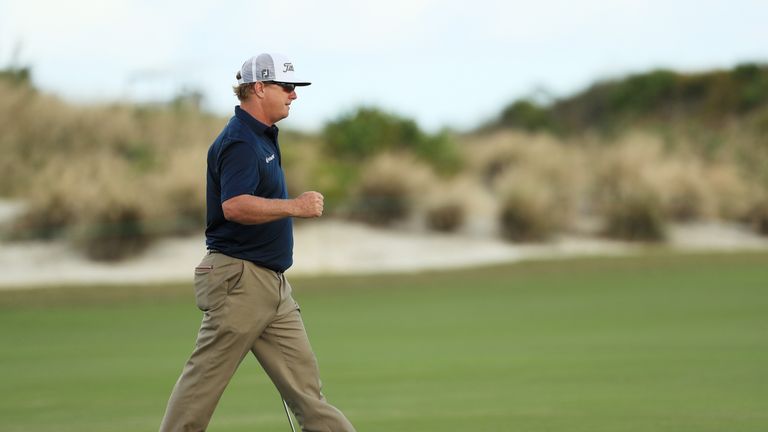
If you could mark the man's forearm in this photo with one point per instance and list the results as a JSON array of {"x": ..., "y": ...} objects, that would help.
[{"x": 253, "y": 210}]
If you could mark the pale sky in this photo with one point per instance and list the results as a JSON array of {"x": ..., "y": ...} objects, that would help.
[{"x": 443, "y": 63}]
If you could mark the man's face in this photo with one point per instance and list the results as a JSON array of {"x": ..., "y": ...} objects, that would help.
[{"x": 277, "y": 100}]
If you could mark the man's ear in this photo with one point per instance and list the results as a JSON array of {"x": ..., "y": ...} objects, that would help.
[{"x": 258, "y": 89}]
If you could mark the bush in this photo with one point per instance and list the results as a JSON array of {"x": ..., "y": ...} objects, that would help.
[
  {"x": 446, "y": 216},
  {"x": 733, "y": 194},
  {"x": 538, "y": 182},
  {"x": 17, "y": 75},
  {"x": 51, "y": 204},
  {"x": 527, "y": 115},
  {"x": 687, "y": 185},
  {"x": 629, "y": 204},
  {"x": 529, "y": 207},
  {"x": 635, "y": 216},
  {"x": 446, "y": 203},
  {"x": 368, "y": 132},
  {"x": 683, "y": 188},
  {"x": 179, "y": 186},
  {"x": 44, "y": 220},
  {"x": 527, "y": 216},
  {"x": 538, "y": 154},
  {"x": 307, "y": 167},
  {"x": 493, "y": 155},
  {"x": 387, "y": 189},
  {"x": 382, "y": 202},
  {"x": 102, "y": 207},
  {"x": 108, "y": 209},
  {"x": 121, "y": 174},
  {"x": 757, "y": 216},
  {"x": 112, "y": 235},
  {"x": 708, "y": 99}
]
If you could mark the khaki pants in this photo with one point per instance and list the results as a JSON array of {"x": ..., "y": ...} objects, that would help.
[{"x": 248, "y": 308}]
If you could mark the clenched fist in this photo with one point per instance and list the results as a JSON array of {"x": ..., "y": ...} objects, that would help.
[{"x": 309, "y": 205}]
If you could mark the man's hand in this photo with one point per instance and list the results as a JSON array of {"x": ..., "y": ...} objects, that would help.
[{"x": 309, "y": 205}]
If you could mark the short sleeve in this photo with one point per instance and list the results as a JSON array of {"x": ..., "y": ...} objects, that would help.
[{"x": 239, "y": 170}]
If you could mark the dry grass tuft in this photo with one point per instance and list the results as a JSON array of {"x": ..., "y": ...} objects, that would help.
[
  {"x": 757, "y": 216},
  {"x": 388, "y": 188},
  {"x": 537, "y": 180},
  {"x": 529, "y": 207},
  {"x": 110, "y": 178},
  {"x": 625, "y": 193},
  {"x": 448, "y": 202},
  {"x": 95, "y": 207},
  {"x": 641, "y": 185}
]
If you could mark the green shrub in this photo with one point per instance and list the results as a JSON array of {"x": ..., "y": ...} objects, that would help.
[
  {"x": 17, "y": 75},
  {"x": 307, "y": 167},
  {"x": 337, "y": 181},
  {"x": 368, "y": 132},
  {"x": 641, "y": 93},
  {"x": 659, "y": 97},
  {"x": 441, "y": 152},
  {"x": 527, "y": 115}
]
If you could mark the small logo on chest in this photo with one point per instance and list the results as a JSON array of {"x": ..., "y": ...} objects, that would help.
[{"x": 270, "y": 158}]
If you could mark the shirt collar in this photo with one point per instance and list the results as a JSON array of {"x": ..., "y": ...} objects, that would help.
[{"x": 255, "y": 125}]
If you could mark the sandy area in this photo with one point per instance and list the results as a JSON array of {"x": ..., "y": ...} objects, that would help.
[{"x": 340, "y": 247}]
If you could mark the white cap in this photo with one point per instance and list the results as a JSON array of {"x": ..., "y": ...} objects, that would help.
[{"x": 269, "y": 67}]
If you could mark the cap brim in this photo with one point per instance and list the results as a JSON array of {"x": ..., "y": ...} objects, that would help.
[{"x": 296, "y": 83}]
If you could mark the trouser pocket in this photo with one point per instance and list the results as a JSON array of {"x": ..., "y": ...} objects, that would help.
[{"x": 215, "y": 277}]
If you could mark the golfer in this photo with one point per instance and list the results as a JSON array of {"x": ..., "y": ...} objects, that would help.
[{"x": 240, "y": 284}]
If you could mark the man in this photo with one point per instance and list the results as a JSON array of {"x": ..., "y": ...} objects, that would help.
[{"x": 240, "y": 285}]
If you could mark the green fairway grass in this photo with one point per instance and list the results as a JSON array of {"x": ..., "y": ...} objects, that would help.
[{"x": 654, "y": 343}]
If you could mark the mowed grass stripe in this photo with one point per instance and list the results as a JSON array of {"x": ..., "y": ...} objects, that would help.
[{"x": 662, "y": 342}]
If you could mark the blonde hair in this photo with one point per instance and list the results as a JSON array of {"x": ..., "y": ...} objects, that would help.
[{"x": 242, "y": 91}]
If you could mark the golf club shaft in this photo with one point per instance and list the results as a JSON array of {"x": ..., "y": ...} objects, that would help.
[{"x": 288, "y": 414}]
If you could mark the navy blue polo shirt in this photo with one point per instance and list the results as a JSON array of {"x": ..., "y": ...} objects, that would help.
[{"x": 245, "y": 159}]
